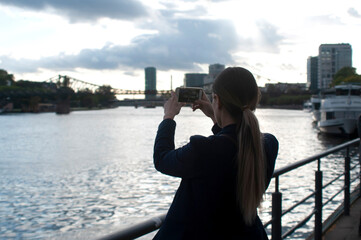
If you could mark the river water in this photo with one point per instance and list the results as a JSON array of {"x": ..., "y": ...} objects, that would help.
[{"x": 90, "y": 173}]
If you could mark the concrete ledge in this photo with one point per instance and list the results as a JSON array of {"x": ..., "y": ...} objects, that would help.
[{"x": 346, "y": 227}]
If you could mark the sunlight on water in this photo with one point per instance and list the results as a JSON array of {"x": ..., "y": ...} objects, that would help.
[{"x": 91, "y": 173}]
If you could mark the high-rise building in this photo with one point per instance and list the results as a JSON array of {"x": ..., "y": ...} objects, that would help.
[
  {"x": 150, "y": 83},
  {"x": 331, "y": 58},
  {"x": 214, "y": 70},
  {"x": 312, "y": 74},
  {"x": 194, "y": 79}
]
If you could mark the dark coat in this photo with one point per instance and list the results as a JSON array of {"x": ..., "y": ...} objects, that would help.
[{"x": 205, "y": 205}]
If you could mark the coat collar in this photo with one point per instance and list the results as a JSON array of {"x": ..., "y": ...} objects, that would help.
[{"x": 229, "y": 129}]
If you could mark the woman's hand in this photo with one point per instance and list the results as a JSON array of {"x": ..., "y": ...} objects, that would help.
[
  {"x": 172, "y": 107},
  {"x": 205, "y": 106}
]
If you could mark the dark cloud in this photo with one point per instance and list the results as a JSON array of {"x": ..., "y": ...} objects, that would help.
[
  {"x": 84, "y": 10},
  {"x": 179, "y": 43},
  {"x": 354, "y": 13},
  {"x": 194, "y": 42}
]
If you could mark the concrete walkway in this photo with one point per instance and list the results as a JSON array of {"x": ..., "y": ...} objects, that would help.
[{"x": 346, "y": 227}]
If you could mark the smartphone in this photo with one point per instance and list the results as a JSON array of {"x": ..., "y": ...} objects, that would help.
[{"x": 188, "y": 94}]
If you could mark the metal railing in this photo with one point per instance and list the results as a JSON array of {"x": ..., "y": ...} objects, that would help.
[{"x": 277, "y": 213}]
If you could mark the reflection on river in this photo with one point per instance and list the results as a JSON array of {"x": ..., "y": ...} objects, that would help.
[{"x": 91, "y": 173}]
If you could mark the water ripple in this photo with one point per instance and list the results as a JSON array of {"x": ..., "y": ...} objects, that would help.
[{"x": 91, "y": 173}]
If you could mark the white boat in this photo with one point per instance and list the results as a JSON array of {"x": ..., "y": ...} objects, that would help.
[
  {"x": 340, "y": 110},
  {"x": 316, "y": 104},
  {"x": 307, "y": 106}
]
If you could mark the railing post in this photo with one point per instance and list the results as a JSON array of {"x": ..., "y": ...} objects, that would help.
[
  {"x": 276, "y": 213},
  {"x": 318, "y": 203},
  {"x": 359, "y": 148},
  {"x": 347, "y": 183},
  {"x": 359, "y": 161}
]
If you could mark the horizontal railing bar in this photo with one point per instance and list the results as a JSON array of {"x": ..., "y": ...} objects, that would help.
[
  {"x": 335, "y": 179},
  {"x": 305, "y": 161},
  {"x": 337, "y": 193},
  {"x": 137, "y": 230},
  {"x": 148, "y": 226},
  {"x": 300, "y": 224},
  {"x": 354, "y": 166},
  {"x": 356, "y": 178},
  {"x": 300, "y": 202},
  {"x": 267, "y": 223}
]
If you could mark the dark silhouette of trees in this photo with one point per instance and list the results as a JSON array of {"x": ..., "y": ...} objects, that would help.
[
  {"x": 6, "y": 79},
  {"x": 27, "y": 95}
]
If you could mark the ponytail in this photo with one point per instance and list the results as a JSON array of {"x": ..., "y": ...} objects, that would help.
[
  {"x": 250, "y": 166},
  {"x": 239, "y": 94}
]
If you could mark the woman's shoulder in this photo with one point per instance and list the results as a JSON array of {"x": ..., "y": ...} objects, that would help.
[
  {"x": 270, "y": 139},
  {"x": 199, "y": 140},
  {"x": 270, "y": 143},
  {"x": 210, "y": 143}
]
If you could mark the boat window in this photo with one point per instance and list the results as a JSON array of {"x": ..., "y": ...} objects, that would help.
[
  {"x": 341, "y": 92},
  {"x": 317, "y": 106},
  {"x": 330, "y": 115},
  {"x": 355, "y": 92}
]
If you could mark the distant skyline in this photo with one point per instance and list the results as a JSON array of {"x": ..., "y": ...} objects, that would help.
[{"x": 112, "y": 41}]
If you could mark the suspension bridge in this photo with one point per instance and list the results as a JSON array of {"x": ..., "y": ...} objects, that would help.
[
  {"x": 59, "y": 89},
  {"x": 78, "y": 85},
  {"x": 63, "y": 92}
]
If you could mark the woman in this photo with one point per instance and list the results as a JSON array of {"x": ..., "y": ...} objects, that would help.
[{"x": 224, "y": 176}]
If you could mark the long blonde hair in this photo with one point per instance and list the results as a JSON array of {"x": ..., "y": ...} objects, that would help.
[{"x": 239, "y": 94}]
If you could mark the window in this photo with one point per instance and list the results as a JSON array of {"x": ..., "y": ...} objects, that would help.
[{"x": 330, "y": 115}]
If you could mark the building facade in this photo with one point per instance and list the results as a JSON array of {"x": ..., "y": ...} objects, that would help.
[
  {"x": 150, "y": 83},
  {"x": 213, "y": 71},
  {"x": 194, "y": 79},
  {"x": 331, "y": 58},
  {"x": 312, "y": 74}
]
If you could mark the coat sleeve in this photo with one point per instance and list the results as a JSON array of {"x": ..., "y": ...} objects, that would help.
[
  {"x": 271, "y": 150},
  {"x": 168, "y": 160}
]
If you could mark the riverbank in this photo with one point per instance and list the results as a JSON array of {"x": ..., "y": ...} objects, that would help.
[
  {"x": 286, "y": 107},
  {"x": 17, "y": 111}
]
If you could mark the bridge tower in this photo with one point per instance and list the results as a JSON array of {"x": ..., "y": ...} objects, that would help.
[
  {"x": 64, "y": 94},
  {"x": 150, "y": 83}
]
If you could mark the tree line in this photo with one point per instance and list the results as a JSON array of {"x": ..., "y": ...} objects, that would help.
[
  {"x": 27, "y": 95},
  {"x": 277, "y": 97}
]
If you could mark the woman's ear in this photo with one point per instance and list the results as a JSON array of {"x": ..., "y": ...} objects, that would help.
[{"x": 217, "y": 102}]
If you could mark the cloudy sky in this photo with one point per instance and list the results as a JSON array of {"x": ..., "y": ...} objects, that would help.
[{"x": 112, "y": 41}]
